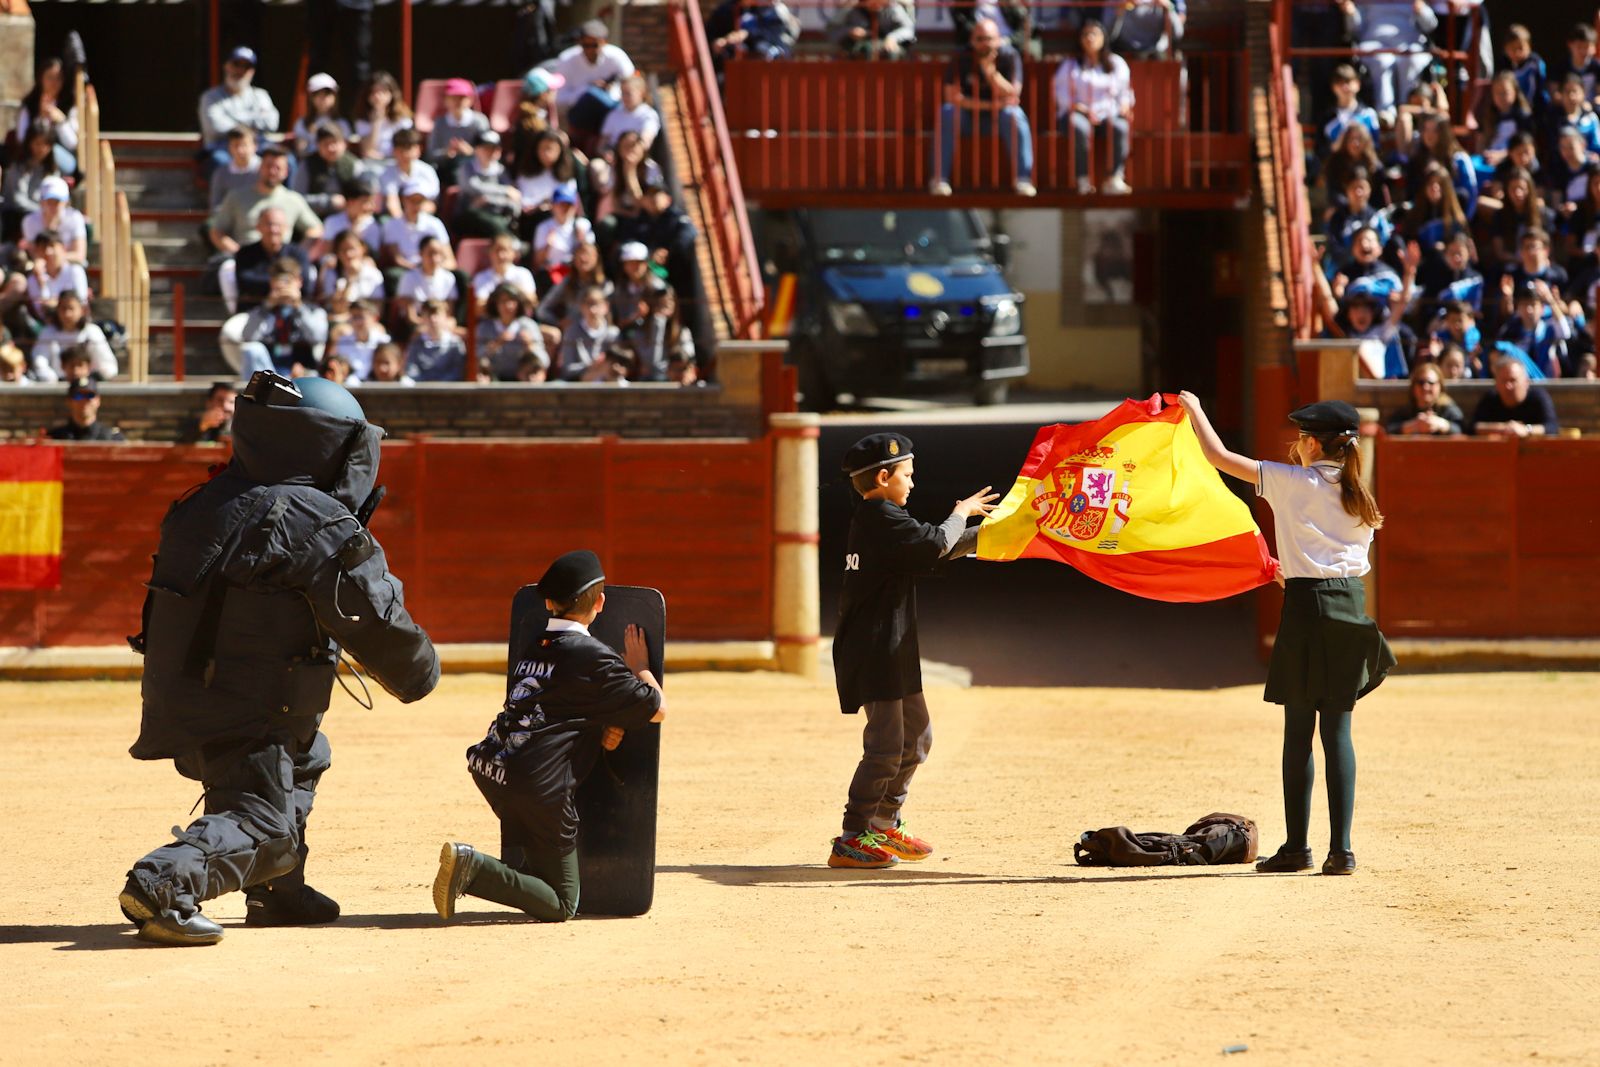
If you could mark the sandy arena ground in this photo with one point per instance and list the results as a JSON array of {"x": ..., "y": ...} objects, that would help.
[{"x": 1470, "y": 935}]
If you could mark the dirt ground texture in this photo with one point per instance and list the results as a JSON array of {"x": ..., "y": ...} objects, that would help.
[{"x": 1471, "y": 934}]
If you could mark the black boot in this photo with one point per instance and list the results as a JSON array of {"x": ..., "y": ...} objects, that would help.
[
  {"x": 293, "y": 904},
  {"x": 1286, "y": 861},
  {"x": 164, "y": 926}
]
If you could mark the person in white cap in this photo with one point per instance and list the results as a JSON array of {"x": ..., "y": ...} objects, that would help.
[
  {"x": 403, "y": 233},
  {"x": 57, "y": 213},
  {"x": 322, "y": 109},
  {"x": 236, "y": 102},
  {"x": 630, "y": 296}
]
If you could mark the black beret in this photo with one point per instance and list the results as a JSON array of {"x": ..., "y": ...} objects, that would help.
[
  {"x": 1327, "y": 417},
  {"x": 876, "y": 450},
  {"x": 570, "y": 575}
]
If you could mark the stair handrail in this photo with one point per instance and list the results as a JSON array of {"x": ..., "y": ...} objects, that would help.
[
  {"x": 708, "y": 139},
  {"x": 139, "y": 316},
  {"x": 1294, "y": 202}
]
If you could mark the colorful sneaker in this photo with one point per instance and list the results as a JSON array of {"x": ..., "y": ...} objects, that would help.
[
  {"x": 903, "y": 845},
  {"x": 864, "y": 851}
]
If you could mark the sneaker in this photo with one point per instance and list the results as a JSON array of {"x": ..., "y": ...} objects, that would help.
[
  {"x": 458, "y": 865},
  {"x": 1116, "y": 185},
  {"x": 864, "y": 850},
  {"x": 904, "y": 846},
  {"x": 160, "y": 927},
  {"x": 939, "y": 188},
  {"x": 1085, "y": 187},
  {"x": 1026, "y": 188},
  {"x": 296, "y": 906}
]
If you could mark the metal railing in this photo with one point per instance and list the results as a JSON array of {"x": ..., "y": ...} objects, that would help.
[
  {"x": 124, "y": 269},
  {"x": 1294, "y": 205}
]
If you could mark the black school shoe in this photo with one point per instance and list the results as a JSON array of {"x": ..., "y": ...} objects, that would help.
[
  {"x": 1339, "y": 861},
  {"x": 1287, "y": 861},
  {"x": 297, "y": 906}
]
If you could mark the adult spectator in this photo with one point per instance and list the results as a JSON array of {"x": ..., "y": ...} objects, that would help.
[
  {"x": 382, "y": 114},
  {"x": 241, "y": 169},
  {"x": 322, "y": 109},
  {"x": 764, "y": 29},
  {"x": 52, "y": 275},
  {"x": 236, "y": 221},
  {"x": 490, "y": 205},
  {"x": 214, "y": 424},
  {"x": 22, "y": 181},
  {"x": 1392, "y": 39},
  {"x": 1428, "y": 408},
  {"x": 83, "y": 416},
  {"x": 68, "y": 329},
  {"x": 1012, "y": 21},
  {"x": 236, "y": 102},
  {"x": 1516, "y": 408},
  {"x": 407, "y": 168},
  {"x": 983, "y": 88},
  {"x": 632, "y": 114},
  {"x": 283, "y": 333},
  {"x": 403, "y": 234},
  {"x": 590, "y": 71},
  {"x": 507, "y": 334},
  {"x": 56, "y": 214},
  {"x": 339, "y": 33},
  {"x": 873, "y": 29},
  {"x": 246, "y": 278},
  {"x": 49, "y": 107},
  {"x": 503, "y": 270},
  {"x": 323, "y": 175},
  {"x": 1145, "y": 29},
  {"x": 456, "y": 131},
  {"x": 1093, "y": 104},
  {"x": 634, "y": 286}
]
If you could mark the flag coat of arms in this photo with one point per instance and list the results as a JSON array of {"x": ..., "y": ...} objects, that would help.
[
  {"x": 1131, "y": 501},
  {"x": 30, "y": 517}
]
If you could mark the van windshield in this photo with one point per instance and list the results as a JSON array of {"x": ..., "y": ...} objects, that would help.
[{"x": 899, "y": 236}]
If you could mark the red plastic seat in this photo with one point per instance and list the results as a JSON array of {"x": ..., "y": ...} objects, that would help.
[
  {"x": 472, "y": 255},
  {"x": 503, "y": 105},
  {"x": 430, "y": 102}
]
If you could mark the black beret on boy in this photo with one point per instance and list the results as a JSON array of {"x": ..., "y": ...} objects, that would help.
[
  {"x": 570, "y": 575},
  {"x": 874, "y": 451}
]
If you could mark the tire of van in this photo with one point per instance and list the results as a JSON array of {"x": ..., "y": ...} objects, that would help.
[
  {"x": 991, "y": 393},
  {"x": 815, "y": 392}
]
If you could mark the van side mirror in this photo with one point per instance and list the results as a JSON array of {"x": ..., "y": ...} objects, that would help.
[{"x": 1000, "y": 248}]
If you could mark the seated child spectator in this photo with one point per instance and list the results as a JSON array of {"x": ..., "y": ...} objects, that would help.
[
  {"x": 538, "y": 173},
  {"x": 1352, "y": 152},
  {"x": 507, "y": 334},
  {"x": 1518, "y": 59},
  {"x": 454, "y": 133},
  {"x": 1365, "y": 262},
  {"x": 383, "y": 114},
  {"x": 1458, "y": 327},
  {"x": 240, "y": 170},
  {"x": 1347, "y": 110},
  {"x": 662, "y": 347},
  {"x": 873, "y": 29},
  {"x": 50, "y": 107},
  {"x": 1570, "y": 108},
  {"x": 409, "y": 170},
  {"x": 68, "y": 327},
  {"x": 83, "y": 416},
  {"x": 52, "y": 276},
  {"x": 322, "y": 109},
  {"x": 618, "y": 180},
  {"x": 429, "y": 282},
  {"x": 763, "y": 29},
  {"x": 489, "y": 204},
  {"x": 389, "y": 366},
  {"x": 358, "y": 338},
  {"x": 665, "y": 229},
  {"x": 1521, "y": 154},
  {"x": 633, "y": 113},
  {"x": 12, "y": 363},
  {"x": 336, "y": 368},
  {"x": 1516, "y": 408},
  {"x": 1365, "y": 316},
  {"x": 20, "y": 185},
  {"x": 56, "y": 213},
  {"x": 360, "y": 216},
  {"x": 559, "y": 308},
  {"x": 1436, "y": 146},
  {"x": 536, "y": 111},
  {"x": 1524, "y": 212},
  {"x": 1581, "y": 231},
  {"x": 1426, "y": 99},
  {"x": 585, "y": 341},
  {"x": 1568, "y": 175},
  {"x": 558, "y": 235},
  {"x": 436, "y": 353},
  {"x": 503, "y": 269},
  {"x": 214, "y": 424},
  {"x": 635, "y": 285},
  {"x": 1579, "y": 61},
  {"x": 1533, "y": 264},
  {"x": 353, "y": 276},
  {"x": 1429, "y": 409},
  {"x": 1452, "y": 277},
  {"x": 323, "y": 176},
  {"x": 236, "y": 102},
  {"x": 1453, "y": 363},
  {"x": 283, "y": 333},
  {"x": 403, "y": 234},
  {"x": 1540, "y": 328},
  {"x": 531, "y": 370},
  {"x": 1502, "y": 112},
  {"x": 1436, "y": 216}
]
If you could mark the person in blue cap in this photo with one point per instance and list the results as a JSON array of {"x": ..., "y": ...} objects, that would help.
[
  {"x": 1328, "y": 653},
  {"x": 876, "y": 661},
  {"x": 572, "y": 697},
  {"x": 264, "y": 577},
  {"x": 236, "y": 102}
]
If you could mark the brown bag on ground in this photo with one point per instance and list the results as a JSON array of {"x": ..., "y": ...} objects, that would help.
[{"x": 1217, "y": 838}]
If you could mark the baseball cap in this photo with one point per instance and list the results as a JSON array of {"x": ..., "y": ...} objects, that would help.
[
  {"x": 633, "y": 251},
  {"x": 412, "y": 187},
  {"x": 82, "y": 389},
  {"x": 459, "y": 87},
  {"x": 319, "y": 82},
  {"x": 53, "y": 188},
  {"x": 244, "y": 55},
  {"x": 564, "y": 194},
  {"x": 487, "y": 137},
  {"x": 539, "y": 81}
]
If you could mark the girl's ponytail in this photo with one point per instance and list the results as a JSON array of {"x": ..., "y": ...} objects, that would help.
[{"x": 1353, "y": 492}]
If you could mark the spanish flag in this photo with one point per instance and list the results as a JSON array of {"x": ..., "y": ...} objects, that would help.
[
  {"x": 1131, "y": 501},
  {"x": 30, "y": 516}
]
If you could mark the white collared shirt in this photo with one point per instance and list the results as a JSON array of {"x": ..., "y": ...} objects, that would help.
[
  {"x": 566, "y": 625},
  {"x": 1106, "y": 92},
  {"x": 1317, "y": 537}
]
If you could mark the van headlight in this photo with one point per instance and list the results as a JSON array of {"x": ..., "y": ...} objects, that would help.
[
  {"x": 1007, "y": 319},
  {"x": 851, "y": 320}
]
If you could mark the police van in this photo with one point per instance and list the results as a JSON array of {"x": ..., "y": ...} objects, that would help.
[{"x": 891, "y": 302}]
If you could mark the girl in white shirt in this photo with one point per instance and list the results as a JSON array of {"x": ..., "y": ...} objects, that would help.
[
  {"x": 70, "y": 327},
  {"x": 1328, "y": 653},
  {"x": 383, "y": 114},
  {"x": 432, "y": 280},
  {"x": 1094, "y": 101}
]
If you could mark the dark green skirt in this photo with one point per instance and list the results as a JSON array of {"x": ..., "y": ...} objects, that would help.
[{"x": 1328, "y": 652}]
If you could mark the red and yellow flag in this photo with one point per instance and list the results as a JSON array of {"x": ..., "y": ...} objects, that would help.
[
  {"x": 1131, "y": 501},
  {"x": 30, "y": 517}
]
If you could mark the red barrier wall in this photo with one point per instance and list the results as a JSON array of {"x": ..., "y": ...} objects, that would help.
[
  {"x": 1488, "y": 538},
  {"x": 465, "y": 524}
]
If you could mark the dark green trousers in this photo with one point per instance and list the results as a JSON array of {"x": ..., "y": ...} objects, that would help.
[{"x": 545, "y": 886}]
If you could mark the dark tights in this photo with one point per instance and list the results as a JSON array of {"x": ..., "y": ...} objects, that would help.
[{"x": 1300, "y": 773}]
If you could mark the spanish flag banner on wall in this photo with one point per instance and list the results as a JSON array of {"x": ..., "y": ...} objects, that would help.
[
  {"x": 30, "y": 517},
  {"x": 1130, "y": 501}
]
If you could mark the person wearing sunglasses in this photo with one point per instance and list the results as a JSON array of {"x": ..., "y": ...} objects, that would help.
[{"x": 1429, "y": 409}]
